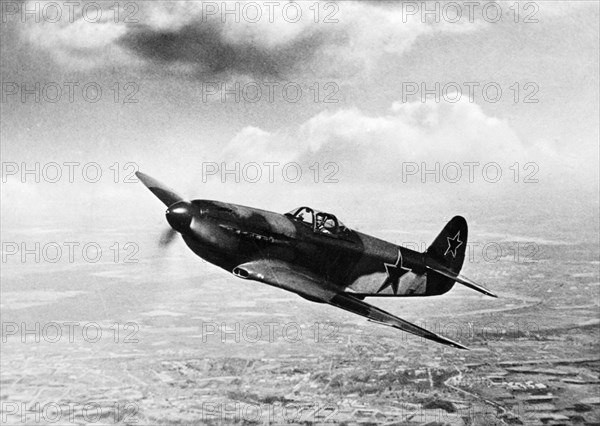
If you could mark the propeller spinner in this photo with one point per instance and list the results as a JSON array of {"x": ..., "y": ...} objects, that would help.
[{"x": 179, "y": 214}]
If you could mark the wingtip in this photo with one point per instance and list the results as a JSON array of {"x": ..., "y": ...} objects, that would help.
[
  {"x": 459, "y": 346},
  {"x": 452, "y": 343}
]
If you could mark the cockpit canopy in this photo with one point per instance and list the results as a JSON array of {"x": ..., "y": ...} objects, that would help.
[{"x": 322, "y": 222}]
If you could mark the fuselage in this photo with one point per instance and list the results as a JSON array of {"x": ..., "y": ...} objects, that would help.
[{"x": 229, "y": 234}]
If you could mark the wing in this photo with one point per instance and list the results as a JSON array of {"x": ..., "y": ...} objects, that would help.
[{"x": 288, "y": 277}]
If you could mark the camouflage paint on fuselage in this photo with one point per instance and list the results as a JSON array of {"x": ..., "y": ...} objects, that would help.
[{"x": 228, "y": 235}]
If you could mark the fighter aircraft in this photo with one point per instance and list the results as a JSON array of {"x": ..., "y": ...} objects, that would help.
[{"x": 313, "y": 254}]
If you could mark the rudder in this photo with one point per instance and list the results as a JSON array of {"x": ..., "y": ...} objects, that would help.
[{"x": 447, "y": 252}]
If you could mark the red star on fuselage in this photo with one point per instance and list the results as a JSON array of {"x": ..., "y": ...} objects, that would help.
[{"x": 394, "y": 273}]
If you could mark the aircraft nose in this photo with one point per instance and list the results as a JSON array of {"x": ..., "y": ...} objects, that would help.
[{"x": 179, "y": 216}]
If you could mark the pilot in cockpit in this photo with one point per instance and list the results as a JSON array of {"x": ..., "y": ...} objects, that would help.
[
  {"x": 324, "y": 224},
  {"x": 320, "y": 222}
]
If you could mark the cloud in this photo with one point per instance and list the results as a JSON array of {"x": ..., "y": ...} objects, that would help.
[
  {"x": 252, "y": 142},
  {"x": 209, "y": 53},
  {"x": 75, "y": 40},
  {"x": 373, "y": 149},
  {"x": 234, "y": 39}
]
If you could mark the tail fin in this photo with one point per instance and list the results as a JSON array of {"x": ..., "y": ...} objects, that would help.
[
  {"x": 450, "y": 245},
  {"x": 448, "y": 252},
  {"x": 445, "y": 257}
]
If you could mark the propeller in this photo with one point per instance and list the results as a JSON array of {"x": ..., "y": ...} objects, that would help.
[
  {"x": 178, "y": 210},
  {"x": 162, "y": 192},
  {"x": 167, "y": 237}
]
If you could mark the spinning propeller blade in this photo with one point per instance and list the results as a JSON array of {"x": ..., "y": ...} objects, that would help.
[
  {"x": 167, "y": 237},
  {"x": 162, "y": 192}
]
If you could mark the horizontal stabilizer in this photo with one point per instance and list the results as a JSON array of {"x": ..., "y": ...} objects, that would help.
[{"x": 435, "y": 267}]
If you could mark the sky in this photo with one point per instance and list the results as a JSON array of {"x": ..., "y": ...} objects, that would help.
[{"x": 168, "y": 73}]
